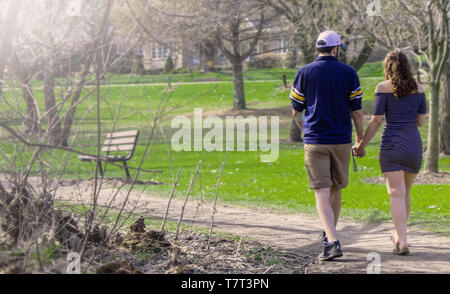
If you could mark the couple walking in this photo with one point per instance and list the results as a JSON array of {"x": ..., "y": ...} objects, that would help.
[{"x": 326, "y": 96}]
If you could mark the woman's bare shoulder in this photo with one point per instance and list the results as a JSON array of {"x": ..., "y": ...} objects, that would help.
[
  {"x": 384, "y": 87},
  {"x": 419, "y": 88}
]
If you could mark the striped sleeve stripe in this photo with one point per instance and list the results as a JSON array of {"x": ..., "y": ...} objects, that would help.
[
  {"x": 298, "y": 92},
  {"x": 357, "y": 97},
  {"x": 297, "y": 100},
  {"x": 296, "y": 96},
  {"x": 356, "y": 94},
  {"x": 356, "y": 90}
]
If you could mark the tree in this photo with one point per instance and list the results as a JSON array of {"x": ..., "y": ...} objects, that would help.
[
  {"x": 169, "y": 66},
  {"x": 6, "y": 34},
  {"x": 233, "y": 26},
  {"x": 422, "y": 28},
  {"x": 51, "y": 44},
  {"x": 309, "y": 18},
  {"x": 237, "y": 29},
  {"x": 445, "y": 112}
]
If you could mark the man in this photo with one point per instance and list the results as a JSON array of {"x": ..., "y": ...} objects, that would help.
[{"x": 325, "y": 96}]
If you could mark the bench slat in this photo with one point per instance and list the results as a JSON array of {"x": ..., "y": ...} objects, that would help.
[
  {"x": 109, "y": 158},
  {"x": 129, "y": 140},
  {"x": 118, "y": 148},
  {"x": 122, "y": 134}
]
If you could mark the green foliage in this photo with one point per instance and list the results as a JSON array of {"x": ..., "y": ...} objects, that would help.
[
  {"x": 48, "y": 253},
  {"x": 181, "y": 70},
  {"x": 169, "y": 65},
  {"x": 372, "y": 69}
]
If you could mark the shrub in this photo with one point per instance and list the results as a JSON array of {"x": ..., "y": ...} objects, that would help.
[
  {"x": 169, "y": 66},
  {"x": 128, "y": 65},
  {"x": 181, "y": 70},
  {"x": 267, "y": 60}
]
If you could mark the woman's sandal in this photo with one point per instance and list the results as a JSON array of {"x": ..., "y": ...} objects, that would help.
[{"x": 398, "y": 251}]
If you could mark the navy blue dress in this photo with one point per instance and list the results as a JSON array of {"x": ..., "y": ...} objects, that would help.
[{"x": 401, "y": 145}]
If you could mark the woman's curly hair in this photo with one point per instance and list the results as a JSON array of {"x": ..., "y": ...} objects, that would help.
[{"x": 398, "y": 70}]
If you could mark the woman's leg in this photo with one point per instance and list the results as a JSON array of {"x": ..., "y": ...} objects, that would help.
[
  {"x": 395, "y": 183},
  {"x": 409, "y": 181}
]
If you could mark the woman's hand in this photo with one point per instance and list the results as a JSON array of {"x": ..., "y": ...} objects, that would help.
[{"x": 359, "y": 150}]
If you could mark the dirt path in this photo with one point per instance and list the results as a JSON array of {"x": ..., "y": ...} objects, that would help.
[{"x": 430, "y": 253}]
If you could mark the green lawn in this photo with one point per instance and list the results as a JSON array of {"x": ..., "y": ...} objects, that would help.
[
  {"x": 374, "y": 69},
  {"x": 281, "y": 185}
]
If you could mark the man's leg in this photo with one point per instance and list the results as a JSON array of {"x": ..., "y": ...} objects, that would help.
[
  {"x": 326, "y": 213},
  {"x": 336, "y": 202}
]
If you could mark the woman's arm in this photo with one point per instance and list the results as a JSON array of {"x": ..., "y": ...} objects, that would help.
[
  {"x": 372, "y": 129},
  {"x": 421, "y": 119}
]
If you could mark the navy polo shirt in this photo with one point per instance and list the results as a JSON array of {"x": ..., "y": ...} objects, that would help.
[{"x": 328, "y": 90}]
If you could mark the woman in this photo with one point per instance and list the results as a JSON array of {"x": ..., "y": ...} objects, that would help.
[{"x": 402, "y": 101}]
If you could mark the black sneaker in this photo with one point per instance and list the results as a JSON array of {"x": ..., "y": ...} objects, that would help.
[
  {"x": 324, "y": 238},
  {"x": 331, "y": 251}
]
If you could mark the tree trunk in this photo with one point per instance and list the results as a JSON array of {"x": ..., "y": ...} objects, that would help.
[
  {"x": 294, "y": 48},
  {"x": 75, "y": 100},
  {"x": 6, "y": 37},
  {"x": 445, "y": 111},
  {"x": 363, "y": 55},
  {"x": 31, "y": 121},
  {"x": 432, "y": 154},
  {"x": 308, "y": 53},
  {"x": 54, "y": 124},
  {"x": 208, "y": 52},
  {"x": 302, "y": 43},
  {"x": 238, "y": 80},
  {"x": 69, "y": 118},
  {"x": 23, "y": 73}
]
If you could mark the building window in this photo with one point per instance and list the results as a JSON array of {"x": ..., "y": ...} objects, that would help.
[
  {"x": 159, "y": 52},
  {"x": 283, "y": 46}
]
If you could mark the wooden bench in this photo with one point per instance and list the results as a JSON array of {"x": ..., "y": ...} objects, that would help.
[{"x": 119, "y": 147}]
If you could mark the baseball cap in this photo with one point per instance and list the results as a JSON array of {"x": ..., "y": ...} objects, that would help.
[{"x": 329, "y": 38}]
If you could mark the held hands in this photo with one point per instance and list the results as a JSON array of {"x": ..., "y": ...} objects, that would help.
[{"x": 358, "y": 149}]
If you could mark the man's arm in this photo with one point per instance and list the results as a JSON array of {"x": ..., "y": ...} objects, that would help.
[
  {"x": 358, "y": 120},
  {"x": 298, "y": 118}
]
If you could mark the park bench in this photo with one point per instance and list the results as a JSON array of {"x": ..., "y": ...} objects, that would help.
[{"x": 119, "y": 147}]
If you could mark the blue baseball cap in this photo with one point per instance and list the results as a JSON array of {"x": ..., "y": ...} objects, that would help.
[{"x": 329, "y": 38}]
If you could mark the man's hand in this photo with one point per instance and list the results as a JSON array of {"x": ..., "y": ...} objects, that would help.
[{"x": 359, "y": 150}]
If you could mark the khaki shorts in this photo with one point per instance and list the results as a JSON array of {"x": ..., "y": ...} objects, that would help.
[{"x": 327, "y": 165}]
